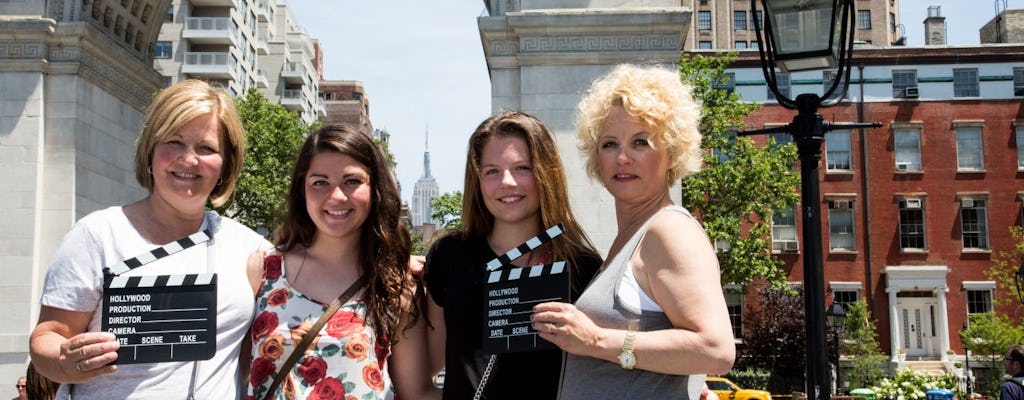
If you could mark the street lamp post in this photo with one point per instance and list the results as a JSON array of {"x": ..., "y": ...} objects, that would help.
[
  {"x": 836, "y": 315},
  {"x": 967, "y": 360},
  {"x": 803, "y": 35}
]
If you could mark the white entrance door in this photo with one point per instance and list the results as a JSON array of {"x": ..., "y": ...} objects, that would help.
[{"x": 917, "y": 326}]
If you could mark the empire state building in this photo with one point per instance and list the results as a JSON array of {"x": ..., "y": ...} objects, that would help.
[{"x": 425, "y": 190}]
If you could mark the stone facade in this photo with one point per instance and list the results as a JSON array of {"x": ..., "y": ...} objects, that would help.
[
  {"x": 73, "y": 90},
  {"x": 542, "y": 55},
  {"x": 1007, "y": 27}
]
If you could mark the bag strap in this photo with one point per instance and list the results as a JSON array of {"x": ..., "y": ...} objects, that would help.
[{"x": 307, "y": 339}]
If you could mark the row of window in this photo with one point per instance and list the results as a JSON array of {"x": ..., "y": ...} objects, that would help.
[
  {"x": 744, "y": 20},
  {"x": 978, "y": 301},
  {"x": 966, "y": 82}
]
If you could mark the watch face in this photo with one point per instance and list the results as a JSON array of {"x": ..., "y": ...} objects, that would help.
[{"x": 627, "y": 360}]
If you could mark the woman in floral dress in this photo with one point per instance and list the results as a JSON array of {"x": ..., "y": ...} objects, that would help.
[{"x": 342, "y": 223}]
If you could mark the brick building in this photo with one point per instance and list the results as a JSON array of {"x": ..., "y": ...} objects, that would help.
[
  {"x": 914, "y": 212},
  {"x": 346, "y": 102}
]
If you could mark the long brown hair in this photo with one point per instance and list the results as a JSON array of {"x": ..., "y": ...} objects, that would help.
[
  {"x": 547, "y": 170},
  {"x": 384, "y": 243}
]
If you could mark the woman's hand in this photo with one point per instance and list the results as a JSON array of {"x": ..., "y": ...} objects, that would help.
[
  {"x": 568, "y": 328},
  {"x": 87, "y": 355}
]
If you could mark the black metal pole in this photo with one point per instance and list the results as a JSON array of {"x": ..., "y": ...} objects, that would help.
[
  {"x": 839, "y": 379},
  {"x": 808, "y": 131}
]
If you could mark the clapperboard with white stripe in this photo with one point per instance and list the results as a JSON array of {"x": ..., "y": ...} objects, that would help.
[
  {"x": 161, "y": 318},
  {"x": 511, "y": 293}
]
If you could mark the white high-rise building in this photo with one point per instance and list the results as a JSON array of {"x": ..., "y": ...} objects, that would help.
[
  {"x": 241, "y": 44},
  {"x": 426, "y": 189}
]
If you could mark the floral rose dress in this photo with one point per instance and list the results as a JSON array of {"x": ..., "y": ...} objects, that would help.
[{"x": 345, "y": 361}]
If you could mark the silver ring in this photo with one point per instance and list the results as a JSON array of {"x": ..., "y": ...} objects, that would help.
[{"x": 78, "y": 367}]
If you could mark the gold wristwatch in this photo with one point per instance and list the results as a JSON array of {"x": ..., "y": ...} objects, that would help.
[{"x": 627, "y": 359}]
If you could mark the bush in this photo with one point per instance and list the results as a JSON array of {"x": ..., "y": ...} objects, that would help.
[
  {"x": 910, "y": 385},
  {"x": 750, "y": 378}
]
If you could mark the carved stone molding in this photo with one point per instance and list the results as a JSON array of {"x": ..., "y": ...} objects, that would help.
[{"x": 599, "y": 43}]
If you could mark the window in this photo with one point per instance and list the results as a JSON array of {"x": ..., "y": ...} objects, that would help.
[
  {"x": 979, "y": 296},
  {"x": 162, "y": 50},
  {"x": 974, "y": 223},
  {"x": 782, "y": 81},
  {"x": 704, "y": 20},
  {"x": 844, "y": 297},
  {"x": 892, "y": 22},
  {"x": 781, "y": 139},
  {"x": 734, "y": 302},
  {"x": 1020, "y": 145},
  {"x": 754, "y": 45},
  {"x": 739, "y": 20},
  {"x": 908, "y": 149},
  {"x": 760, "y": 19},
  {"x": 912, "y": 224},
  {"x": 827, "y": 77},
  {"x": 837, "y": 151},
  {"x": 168, "y": 80},
  {"x": 965, "y": 82},
  {"x": 969, "y": 154},
  {"x": 1018, "y": 81},
  {"x": 703, "y": 2},
  {"x": 784, "y": 231},
  {"x": 863, "y": 19},
  {"x": 704, "y": 44},
  {"x": 902, "y": 79},
  {"x": 739, "y": 44},
  {"x": 170, "y": 14},
  {"x": 727, "y": 82},
  {"x": 840, "y": 225}
]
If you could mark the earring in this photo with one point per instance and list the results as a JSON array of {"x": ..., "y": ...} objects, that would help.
[
  {"x": 220, "y": 181},
  {"x": 150, "y": 170}
]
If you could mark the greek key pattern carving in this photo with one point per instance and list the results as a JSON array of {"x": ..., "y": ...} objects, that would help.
[
  {"x": 504, "y": 47},
  {"x": 16, "y": 50},
  {"x": 105, "y": 72},
  {"x": 64, "y": 53},
  {"x": 598, "y": 43}
]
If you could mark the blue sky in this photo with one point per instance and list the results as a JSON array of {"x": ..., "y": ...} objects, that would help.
[{"x": 422, "y": 66}]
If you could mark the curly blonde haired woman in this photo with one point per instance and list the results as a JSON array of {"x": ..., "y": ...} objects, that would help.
[{"x": 654, "y": 320}]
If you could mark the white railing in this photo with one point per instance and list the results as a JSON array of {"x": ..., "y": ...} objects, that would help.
[
  {"x": 210, "y": 59},
  {"x": 292, "y": 94},
  {"x": 209, "y": 24}
]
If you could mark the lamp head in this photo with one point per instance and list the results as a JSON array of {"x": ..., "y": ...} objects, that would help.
[{"x": 805, "y": 34}]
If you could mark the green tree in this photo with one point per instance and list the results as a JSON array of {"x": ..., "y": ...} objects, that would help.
[
  {"x": 448, "y": 209},
  {"x": 1002, "y": 272},
  {"x": 273, "y": 138},
  {"x": 860, "y": 340},
  {"x": 741, "y": 185},
  {"x": 988, "y": 336},
  {"x": 419, "y": 246}
]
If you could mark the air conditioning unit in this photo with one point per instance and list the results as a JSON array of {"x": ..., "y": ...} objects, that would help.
[
  {"x": 1018, "y": 91},
  {"x": 913, "y": 203},
  {"x": 903, "y": 166},
  {"x": 910, "y": 92},
  {"x": 967, "y": 203},
  {"x": 840, "y": 204},
  {"x": 790, "y": 246}
]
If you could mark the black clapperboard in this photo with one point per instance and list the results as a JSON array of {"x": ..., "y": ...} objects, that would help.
[
  {"x": 511, "y": 293},
  {"x": 161, "y": 318}
]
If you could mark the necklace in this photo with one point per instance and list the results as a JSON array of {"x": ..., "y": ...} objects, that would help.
[{"x": 298, "y": 271}]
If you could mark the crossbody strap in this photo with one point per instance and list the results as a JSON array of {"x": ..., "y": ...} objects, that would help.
[{"x": 307, "y": 339}]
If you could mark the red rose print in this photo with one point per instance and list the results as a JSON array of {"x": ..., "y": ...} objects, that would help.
[
  {"x": 343, "y": 324},
  {"x": 313, "y": 369},
  {"x": 373, "y": 378},
  {"x": 263, "y": 325},
  {"x": 278, "y": 297},
  {"x": 261, "y": 369},
  {"x": 329, "y": 388},
  {"x": 272, "y": 267}
]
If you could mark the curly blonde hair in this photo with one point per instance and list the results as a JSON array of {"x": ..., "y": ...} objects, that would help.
[{"x": 657, "y": 97}]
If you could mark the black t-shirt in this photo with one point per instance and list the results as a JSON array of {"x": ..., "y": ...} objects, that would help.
[{"x": 454, "y": 273}]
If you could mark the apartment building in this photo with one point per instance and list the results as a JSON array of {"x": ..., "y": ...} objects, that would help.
[
  {"x": 729, "y": 24},
  {"x": 241, "y": 44},
  {"x": 914, "y": 212},
  {"x": 346, "y": 102}
]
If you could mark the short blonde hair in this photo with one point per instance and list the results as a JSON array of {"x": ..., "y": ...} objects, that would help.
[
  {"x": 174, "y": 108},
  {"x": 656, "y": 96}
]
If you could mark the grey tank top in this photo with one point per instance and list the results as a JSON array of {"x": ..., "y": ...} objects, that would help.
[{"x": 591, "y": 378}]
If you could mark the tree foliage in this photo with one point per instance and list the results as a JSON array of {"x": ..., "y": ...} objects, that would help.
[
  {"x": 741, "y": 185},
  {"x": 1007, "y": 294},
  {"x": 860, "y": 340},
  {"x": 448, "y": 210},
  {"x": 273, "y": 138},
  {"x": 988, "y": 336},
  {"x": 774, "y": 338}
]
